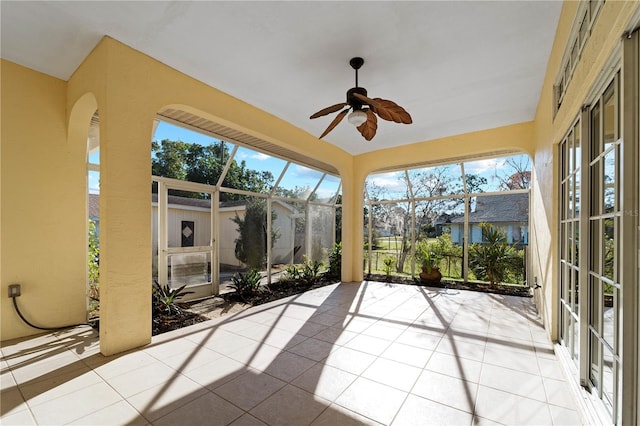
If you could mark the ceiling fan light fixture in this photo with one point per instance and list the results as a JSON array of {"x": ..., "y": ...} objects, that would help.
[{"x": 357, "y": 117}]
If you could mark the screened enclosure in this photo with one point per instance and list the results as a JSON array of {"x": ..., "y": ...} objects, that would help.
[
  {"x": 458, "y": 213},
  {"x": 221, "y": 208}
]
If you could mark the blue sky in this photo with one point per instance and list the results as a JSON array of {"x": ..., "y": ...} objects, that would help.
[{"x": 296, "y": 175}]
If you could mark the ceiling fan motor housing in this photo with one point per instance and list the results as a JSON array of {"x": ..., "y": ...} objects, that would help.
[{"x": 354, "y": 102}]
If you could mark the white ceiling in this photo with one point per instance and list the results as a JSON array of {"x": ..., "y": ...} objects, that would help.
[{"x": 455, "y": 66}]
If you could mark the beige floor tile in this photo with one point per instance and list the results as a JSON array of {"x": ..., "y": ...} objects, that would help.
[
  {"x": 336, "y": 336},
  {"x": 283, "y": 339},
  {"x": 11, "y": 402},
  {"x": 169, "y": 348},
  {"x": 550, "y": 368},
  {"x": 142, "y": 379},
  {"x": 419, "y": 411},
  {"x": 407, "y": 354},
  {"x": 20, "y": 418},
  {"x": 461, "y": 349},
  {"x": 57, "y": 386},
  {"x": 392, "y": 373},
  {"x": 356, "y": 324},
  {"x": 336, "y": 415},
  {"x": 420, "y": 338},
  {"x": 208, "y": 409},
  {"x": 290, "y": 406},
  {"x": 326, "y": 319},
  {"x": 325, "y": 381},
  {"x": 373, "y": 400},
  {"x": 388, "y": 332},
  {"x": 250, "y": 389},
  {"x": 257, "y": 356},
  {"x": 509, "y": 409},
  {"x": 46, "y": 367},
  {"x": 462, "y": 368},
  {"x": 504, "y": 358},
  {"x": 256, "y": 332},
  {"x": 112, "y": 366},
  {"x": 558, "y": 393},
  {"x": 287, "y": 366},
  {"x": 349, "y": 360},
  {"x": 368, "y": 344},
  {"x": 565, "y": 417},
  {"x": 515, "y": 382},
  {"x": 160, "y": 400},
  {"x": 298, "y": 326},
  {"x": 216, "y": 373},
  {"x": 75, "y": 405},
  {"x": 248, "y": 420},
  {"x": 446, "y": 390},
  {"x": 228, "y": 343},
  {"x": 191, "y": 359},
  {"x": 314, "y": 349},
  {"x": 119, "y": 413}
]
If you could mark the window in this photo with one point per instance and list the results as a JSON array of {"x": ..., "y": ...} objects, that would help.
[{"x": 580, "y": 32}]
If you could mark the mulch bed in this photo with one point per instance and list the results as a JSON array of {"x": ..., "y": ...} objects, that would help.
[
  {"x": 504, "y": 289},
  {"x": 163, "y": 323}
]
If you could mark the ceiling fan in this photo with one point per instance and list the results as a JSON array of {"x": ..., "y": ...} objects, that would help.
[{"x": 364, "y": 109}]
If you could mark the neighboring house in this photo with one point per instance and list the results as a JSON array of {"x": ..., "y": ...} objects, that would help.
[
  {"x": 508, "y": 212},
  {"x": 189, "y": 225},
  {"x": 93, "y": 209}
]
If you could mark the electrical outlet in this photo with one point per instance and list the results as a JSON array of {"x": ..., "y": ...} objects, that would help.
[{"x": 14, "y": 290}]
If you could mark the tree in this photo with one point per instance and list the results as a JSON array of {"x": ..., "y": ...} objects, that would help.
[
  {"x": 518, "y": 175},
  {"x": 251, "y": 244},
  {"x": 204, "y": 164},
  {"x": 491, "y": 259}
]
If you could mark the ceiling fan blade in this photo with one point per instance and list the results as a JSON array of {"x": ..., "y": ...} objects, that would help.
[
  {"x": 335, "y": 122},
  {"x": 368, "y": 128},
  {"x": 329, "y": 110},
  {"x": 365, "y": 99},
  {"x": 390, "y": 111}
]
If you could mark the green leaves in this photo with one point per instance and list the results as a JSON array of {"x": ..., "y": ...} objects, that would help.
[
  {"x": 247, "y": 283},
  {"x": 204, "y": 164},
  {"x": 491, "y": 259},
  {"x": 165, "y": 298}
]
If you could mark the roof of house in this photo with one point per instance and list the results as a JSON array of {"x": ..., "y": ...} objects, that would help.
[
  {"x": 94, "y": 206},
  {"x": 499, "y": 208}
]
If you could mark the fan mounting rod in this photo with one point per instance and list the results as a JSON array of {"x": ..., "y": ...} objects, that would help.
[{"x": 356, "y": 63}]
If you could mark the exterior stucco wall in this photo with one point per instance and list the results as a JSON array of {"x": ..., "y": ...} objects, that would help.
[
  {"x": 606, "y": 35},
  {"x": 43, "y": 200}
]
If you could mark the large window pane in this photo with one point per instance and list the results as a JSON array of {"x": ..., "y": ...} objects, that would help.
[
  {"x": 498, "y": 174},
  {"x": 436, "y": 181},
  {"x": 387, "y": 186},
  {"x": 255, "y": 165},
  {"x": 298, "y": 181},
  {"x": 327, "y": 192}
]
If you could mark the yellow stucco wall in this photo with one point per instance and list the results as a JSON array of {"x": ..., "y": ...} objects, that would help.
[
  {"x": 43, "y": 211},
  {"x": 612, "y": 22},
  {"x": 130, "y": 88}
]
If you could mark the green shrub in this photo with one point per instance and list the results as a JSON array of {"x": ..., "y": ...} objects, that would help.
[
  {"x": 165, "y": 298},
  {"x": 93, "y": 270},
  {"x": 310, "y": 270},
  {"x": 491, "y": 259},
  {"x": 335, "y": 260},
  {"x": 388, "y": 265},
  {"x": 247, "y": 283}
]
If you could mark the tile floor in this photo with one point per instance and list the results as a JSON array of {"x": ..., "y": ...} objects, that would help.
[{"x": 360, "y": 353}]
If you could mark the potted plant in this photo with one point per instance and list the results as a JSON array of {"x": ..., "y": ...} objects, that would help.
[{"x": 430, "y": 273}]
